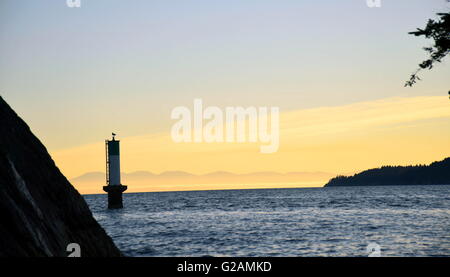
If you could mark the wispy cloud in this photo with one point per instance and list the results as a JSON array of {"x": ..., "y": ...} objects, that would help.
[{"x": 341, "y": 139}]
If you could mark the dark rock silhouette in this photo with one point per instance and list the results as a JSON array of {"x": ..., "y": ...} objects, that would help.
[
  {"x": 437, "y": 173},
  {"x": 41, "y": 213}
]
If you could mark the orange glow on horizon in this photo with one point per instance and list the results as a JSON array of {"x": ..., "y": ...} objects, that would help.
[{"x": 336, "y": 140}]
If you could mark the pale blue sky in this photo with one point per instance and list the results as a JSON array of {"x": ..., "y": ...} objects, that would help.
[{"x": 76, "y": 74}]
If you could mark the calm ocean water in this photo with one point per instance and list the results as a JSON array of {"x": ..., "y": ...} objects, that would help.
[{"x": 402, "y": 220}]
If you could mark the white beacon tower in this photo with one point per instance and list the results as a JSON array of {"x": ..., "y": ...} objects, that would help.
[{"x": 113, "y": 186}]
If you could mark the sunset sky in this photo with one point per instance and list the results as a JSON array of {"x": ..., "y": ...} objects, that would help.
[{"x": 336, "y": 70}]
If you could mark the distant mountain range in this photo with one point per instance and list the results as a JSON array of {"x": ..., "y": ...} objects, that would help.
[
  {"x": 92, "y": 182},
  {"x": 100, "y": 176},
  {"x": 437, "y": 173}
]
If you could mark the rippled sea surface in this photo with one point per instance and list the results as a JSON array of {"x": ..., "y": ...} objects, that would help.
[{"x": 402, "y": 220}]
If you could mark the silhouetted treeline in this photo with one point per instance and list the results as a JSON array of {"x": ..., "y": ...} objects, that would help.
[{"x": 436, "y": 173}]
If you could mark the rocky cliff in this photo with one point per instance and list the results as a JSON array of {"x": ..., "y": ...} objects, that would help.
[{"x": 40, "y": 212}]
